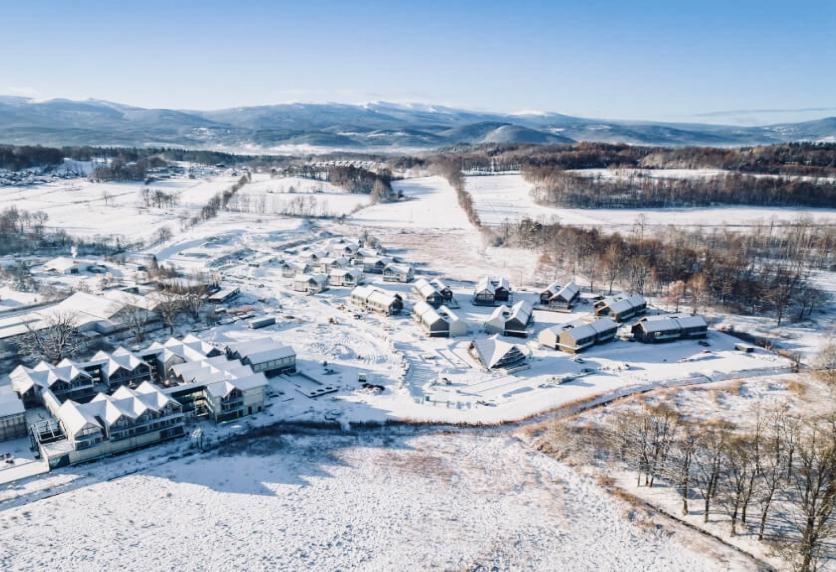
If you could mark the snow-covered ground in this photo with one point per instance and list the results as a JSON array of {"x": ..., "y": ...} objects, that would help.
[
  {"x": 381, "y": 500},
  {"x": 78, "y": 206},
  {"x": 506, "y": 198},
  {"x": 361, "y": 502},
  {"x": 297, "y": 196},
  {"x": 426, "y": 379},
  {"x": 431, "y": 205}
]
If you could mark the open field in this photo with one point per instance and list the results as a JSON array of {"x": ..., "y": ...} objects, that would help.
[
  {"x": 479, "y": 498},
  {"x": 297, "y": 196},
  {"x": 78, "y": 207},
  {"x": 506, "y": 198},
  {"x": 365, "y": 502}
]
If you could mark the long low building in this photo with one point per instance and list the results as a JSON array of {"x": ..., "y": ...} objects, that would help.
[
  {"x": 120, "y": 401},
  {"x": 264, "y": 355},
  {"x": 377, "y": 300},
  {"x": 107, "y": 424},
  {"x": 655, "y": 329},
  {"x": 577, "y": 336},
  {"x": 621, "y": 308}
]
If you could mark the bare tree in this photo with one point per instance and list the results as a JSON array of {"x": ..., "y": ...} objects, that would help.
[
  {"x": 738, "y": 468},
  {"x": 708, "y": 463},
  {"x": 135, "y": 319},
  {"x": 613, "y": 261},
  {"x": 813, "y": 485},
  {"x": 676, "y": 292},
  {"x": 771, "y": 463},
  {"x": 193, "y": 302},
  {"x": 825, "y": 364},
  {"x": 59, "y": 338},
  {"x": 681, "y": 469},
  {"x": 170, "y": 306}
]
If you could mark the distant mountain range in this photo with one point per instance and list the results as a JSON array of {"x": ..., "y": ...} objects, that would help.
[{"x": 374, "y": 126}]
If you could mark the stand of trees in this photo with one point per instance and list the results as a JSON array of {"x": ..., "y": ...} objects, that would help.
[
  {"x": 775, "y": 480},
  {"x": 25, "y": 231},
  {"x": 759, "y": 271},
  {"x": 553, "y": 186},
  {"x": 812, "y": 159},
  {"x": 15, "y": 158},
  {"x": 359, "y": 180}
]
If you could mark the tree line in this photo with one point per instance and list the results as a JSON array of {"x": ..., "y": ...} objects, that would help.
[
  {"x": 450, "y": 169},
  {"x": 774, "y": 479},
  {"x": 811, "y": 159},
  {"x": 760, "y": 271},
  {"x": 554, "y": 186},
  {"x": 17, "y": 157}
]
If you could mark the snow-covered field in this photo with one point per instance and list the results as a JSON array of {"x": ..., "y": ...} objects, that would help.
[
  {"x": 506, "y": 198},
  {"x": 386, "y": 499},
  {"x": 431, "y": 205},
  {"x": 78, "y": 206},
  {"x": 297, "y": 196},
  {"x": 344, "y": 502}
]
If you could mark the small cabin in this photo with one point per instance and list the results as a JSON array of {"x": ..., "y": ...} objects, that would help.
[
  {"x": 310, "y": 283},
  {"x": 578, "y": 336},
  {"x": 393, "y": 272}
]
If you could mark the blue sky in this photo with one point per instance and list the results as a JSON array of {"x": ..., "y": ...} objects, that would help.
[{"x": 631, "y": 60}]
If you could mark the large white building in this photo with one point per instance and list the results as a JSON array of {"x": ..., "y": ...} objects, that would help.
[{"x": 122, "y": 400}]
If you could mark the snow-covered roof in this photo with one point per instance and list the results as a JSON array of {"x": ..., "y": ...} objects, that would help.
[
  {"x": 552, "y": 289},
  {"x": 124, "y": 402},
  {"x": 424, "y": 288},
  {"x": 84, "y": 308},
  {"x": 494, "y": 352},
  {"x": 189, "y": 348},
  {"x": 671, "y": 323},
  {"x": 398, "y": 268},
  {"x": 568, "y": 292},
  {"x": 120, "y": 358},
  {"x": 439, "y": 285},
  {"x": 686, "y": 322},
  {"x": 75, "y": 417},
  {"x": 318, "y": 279},
  {"x": 149, "y": 302},
  {"x": 45, "y": 375},
  {"x": 619, "y": 304},
  {"x": 582, "y": 330},
  {"x": 492, "y": 284},
  {"x": 427, "y": 314},
  {"x": 374, "y": 295},
  {"x": 521, "y": 311},
  {"x": 10, "y": 403},
  {"x": 344, "y": 272},
  {"x": 261, "y": 350}
]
